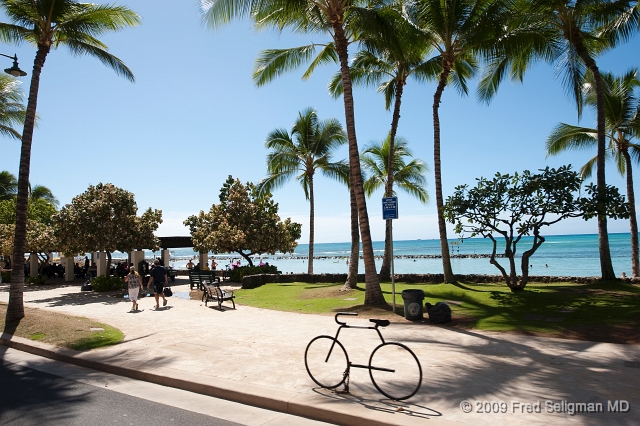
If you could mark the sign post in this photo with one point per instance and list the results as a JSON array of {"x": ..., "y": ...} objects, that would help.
[{"x": 390, "y": 212}]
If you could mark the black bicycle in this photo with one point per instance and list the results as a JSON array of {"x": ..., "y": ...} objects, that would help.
[{"x": 394, "y": 369}]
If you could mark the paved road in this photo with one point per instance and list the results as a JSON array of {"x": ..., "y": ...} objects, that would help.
[{"x": 33, "y": 396}]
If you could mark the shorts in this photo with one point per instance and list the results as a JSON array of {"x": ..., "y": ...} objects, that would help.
[{"x": 157, "y": 288}]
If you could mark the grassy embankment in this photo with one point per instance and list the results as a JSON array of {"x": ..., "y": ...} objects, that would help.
[{"x": 62, "y": 330}]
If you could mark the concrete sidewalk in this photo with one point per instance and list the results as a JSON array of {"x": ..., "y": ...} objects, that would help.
[{"x": 256, "y": 356}]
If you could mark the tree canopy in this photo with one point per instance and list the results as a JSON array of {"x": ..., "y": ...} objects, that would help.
[
  {"x": 244, "y": 222},
  {"x": 511, "y": 207},
  {"x": 104, "y": 218}
]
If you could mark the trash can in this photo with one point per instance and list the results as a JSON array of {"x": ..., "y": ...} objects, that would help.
[{"x": 413, "y": 303}]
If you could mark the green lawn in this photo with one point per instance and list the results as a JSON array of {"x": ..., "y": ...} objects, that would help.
[{"x": 573, "y": 310}]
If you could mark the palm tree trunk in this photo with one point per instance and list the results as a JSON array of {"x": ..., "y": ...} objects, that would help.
[
  {"x": 385, "y": 269},
  {"x": 311, "y": 226},
  {"x": 352, "y": 275},
  {"x": 606, "y": 266},
  {"x": 15, "y": 310},
  {"x": 442, "y": 227},
  {"x": 373, "y": 292},
  {"x": 633, "y": 221}
]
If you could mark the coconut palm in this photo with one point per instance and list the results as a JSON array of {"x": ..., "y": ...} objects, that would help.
[
  {"x": 41, "y": 192},
  {"x": 306, "y": 150},
  {"x": 622, "y": 124},
  {"x": 571, "y": 35},
  {"x": 461, "y": 32},
  {"x": 48, "y": 24},
  {"x": 408, "y": 176},
  {"x": 334, "y": 17},
  {"x": 8, "y": 185}
]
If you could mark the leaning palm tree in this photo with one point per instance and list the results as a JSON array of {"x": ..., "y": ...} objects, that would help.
[
  {"x": 8, "y": 185},
  {"x": 306, "y": 150},
  {"x": 461, "y": 32},
  {"x": 337, "y": 18},
  {"x": 572, "y": 35},
  {"x": 408, "y": 176},
  {"x": 622, "y": 124},
  {"x": 48, "y": 24}
]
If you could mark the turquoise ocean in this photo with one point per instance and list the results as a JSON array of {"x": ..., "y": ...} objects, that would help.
[{"x": 559, "y": 255}]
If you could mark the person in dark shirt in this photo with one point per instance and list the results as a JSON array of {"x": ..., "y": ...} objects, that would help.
[{"x": 158, "y": 276}]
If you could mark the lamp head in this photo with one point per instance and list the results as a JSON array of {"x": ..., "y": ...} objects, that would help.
[{"x": 15, "y": 70}]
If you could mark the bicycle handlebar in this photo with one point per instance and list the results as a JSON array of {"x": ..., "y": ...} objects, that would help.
[{"x": 353, "y": 314}]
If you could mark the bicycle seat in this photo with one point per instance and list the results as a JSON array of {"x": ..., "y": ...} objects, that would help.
[{"x": 379, "y": 322}]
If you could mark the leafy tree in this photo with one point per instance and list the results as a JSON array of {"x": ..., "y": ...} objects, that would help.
[
  {"x": 622, "y": 121},
  {"x": 39, "y": 210},
  {"x": 515, "y": 206},
  {"x": 307, "y": 149},
  {"x": 40, "y": 238},
  {"x": 244, "y": 222},
  {"x": 48, "y": 24},
  {"x": 341, "y": 20},
  {"x": 572, "y": 35},
  {"x": 409, "y": 177},
  {"x": 104, "y": 218},
  {"x": 461, "y": 32}
]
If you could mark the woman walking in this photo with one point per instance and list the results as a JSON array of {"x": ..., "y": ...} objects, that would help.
[{"x": 135, "y": 285}]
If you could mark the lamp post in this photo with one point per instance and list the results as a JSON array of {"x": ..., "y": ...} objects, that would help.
[{"x": 14, "y": 70}]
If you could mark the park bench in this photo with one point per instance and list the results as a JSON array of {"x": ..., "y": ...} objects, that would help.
[
  {"x": 213, "y": 293},
  {"x": 199, "y": 279}
]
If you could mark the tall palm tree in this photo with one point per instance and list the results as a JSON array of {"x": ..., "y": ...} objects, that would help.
[
  {"x": 572, "y": 35},
  {"x": 388, "y": 62},
  {"x": 48, "y": 24},
  {"x": 306, "y": 150},
  {"x": 8, "y": 185},
  {"x": 461, "y": 32},
  {"x": 622, "y": 124},
  {"x": 319, "y": 16},
  {"x": 408, "y": 176}
]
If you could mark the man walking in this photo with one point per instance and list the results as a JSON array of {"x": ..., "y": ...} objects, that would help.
[{"x": 159, "y": 279}]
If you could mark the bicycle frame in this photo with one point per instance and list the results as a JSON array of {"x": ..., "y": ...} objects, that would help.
[{"x": 345, "y": 325}]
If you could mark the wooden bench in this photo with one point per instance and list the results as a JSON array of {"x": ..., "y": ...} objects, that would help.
[
  {"x": 199, "y": 279},
  {"x": 213, "y": 293}
]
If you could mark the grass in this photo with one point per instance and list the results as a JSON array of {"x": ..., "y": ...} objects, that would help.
[
  {"x": 62, "y": 330},
  {"x": 602, "y": 311}
]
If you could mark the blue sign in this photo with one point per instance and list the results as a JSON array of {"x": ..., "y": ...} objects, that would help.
[{"x": 389, "y": 208}]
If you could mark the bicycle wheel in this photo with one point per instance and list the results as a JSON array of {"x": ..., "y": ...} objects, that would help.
[
  {"x": 327, "y": 369},
  {"x": 395, "y": 371}
]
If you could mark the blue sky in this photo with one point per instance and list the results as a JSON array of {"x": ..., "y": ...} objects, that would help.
[{"x": 194, "y": 116}]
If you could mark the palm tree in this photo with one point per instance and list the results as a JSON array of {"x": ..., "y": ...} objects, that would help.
[
  {"x": 12, "y": 109},
  {"x": 572, "y": 35},
  {"x": 8, "y": 185},
  {"x": 48, "y": 24},
  {"x": 41, "y": 192},
  {"x": 408, "y": 176},
  {"x": 320, "y": 16},
  {"x": 461, "y": 31},
  {"x": 307, "y": 149},
  {"x": 622, "y": 121}
]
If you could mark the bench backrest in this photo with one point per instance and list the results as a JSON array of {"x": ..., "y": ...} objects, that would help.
[{"x": 197, "y": 277}]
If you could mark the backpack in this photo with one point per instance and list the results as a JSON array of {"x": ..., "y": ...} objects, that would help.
[{"x": 440, "y": 313}]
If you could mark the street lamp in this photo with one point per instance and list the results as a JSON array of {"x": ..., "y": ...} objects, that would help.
[{"x": 14, "y": 70}]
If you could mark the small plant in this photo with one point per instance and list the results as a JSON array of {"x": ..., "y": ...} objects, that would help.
[
  {"x": 105, "y": 283},
  {"x": 238, "y": 273},
  {"x": 38, "y": 279}
]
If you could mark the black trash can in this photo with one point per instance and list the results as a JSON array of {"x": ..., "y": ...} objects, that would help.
[{"x": 413, "y": 303}]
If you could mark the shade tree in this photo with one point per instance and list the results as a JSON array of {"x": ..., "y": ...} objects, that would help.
[
  {"x": 509, "y": 207},
  {"x": 244, "y": 222}
]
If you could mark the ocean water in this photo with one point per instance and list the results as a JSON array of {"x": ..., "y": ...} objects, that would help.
[{"x": 559, "y": 255}]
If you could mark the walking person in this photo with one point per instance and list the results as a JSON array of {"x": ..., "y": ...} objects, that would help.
[
  {"x": 159, "y": 279},
  {"x": 135, "y": 285}
]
